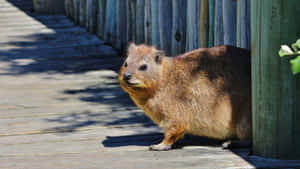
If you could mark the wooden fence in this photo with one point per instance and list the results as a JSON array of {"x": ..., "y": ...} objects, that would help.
[{"x": 175, "y": 26}]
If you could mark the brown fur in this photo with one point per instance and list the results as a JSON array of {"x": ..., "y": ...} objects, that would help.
[{"x": 204, "y": 92}]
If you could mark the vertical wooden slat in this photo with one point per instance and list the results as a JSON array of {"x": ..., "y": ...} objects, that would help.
[
  {"x": 110, "y": 21},
  {"x": 140, "y": 17},
  {"x": 238, "y": 23},
  {"x": 69, "y": 8},
  {"x": 274, "y": 103},
  {"x": 121, "y": 24},
  {"x": 91, "y": 16},
  {"x": 229, "y": 18},
  {"x": 204, "y": 23},
  {"x": 155, "y": 23},
  {"x": 211, "y": 23},
  {"x": 165, "y": 24},
  {"x": 245, "y": 24},
  {"x": 193, "y": 25},
  {"x": 131, "y": 26},
  {"x": 219, "y": 30},
  {"x": 178, "y": 26},
  {"x": 82, "y": 12},
  {"x": 101, "y": 6},
  {"x": 147, "y": 22}
]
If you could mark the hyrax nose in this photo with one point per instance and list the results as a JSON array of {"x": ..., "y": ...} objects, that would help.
[{"x": 127, "y": 76}]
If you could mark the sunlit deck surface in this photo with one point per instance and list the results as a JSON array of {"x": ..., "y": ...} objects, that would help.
[{"x": 61, "y": 106}]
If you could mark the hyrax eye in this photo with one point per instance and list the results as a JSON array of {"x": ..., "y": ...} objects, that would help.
[
  {"x": 143, "y": 67},
  {"x": 157, "y": 59},
  {"x": 125, "y": 64}
]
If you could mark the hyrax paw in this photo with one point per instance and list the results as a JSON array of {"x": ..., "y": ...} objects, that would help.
[{"x": 160, "y": 147}]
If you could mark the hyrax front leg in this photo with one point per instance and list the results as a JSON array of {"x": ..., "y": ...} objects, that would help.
[{"x": 172, "y": 134}]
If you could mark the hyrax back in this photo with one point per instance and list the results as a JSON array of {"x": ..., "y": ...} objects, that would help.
[{"x": 204, "y": 92}]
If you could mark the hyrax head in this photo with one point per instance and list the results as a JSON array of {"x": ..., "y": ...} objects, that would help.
[{"x": 141, "y": 69}]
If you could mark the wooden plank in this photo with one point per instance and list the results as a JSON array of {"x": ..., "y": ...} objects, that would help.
[
  {"x": 178, "y": 26},
  {"x": 49, "y": 6},
  {"x": 101, "y": 18},
  {"x": 238, "y": 23},
  {"x": 69, "y": 8},
  {"x": 131, "y": 20},
  {"x": 110, "y": 22},
  {"x": 165, "y": 25},
  {"x": 204, "y": 23},
  {"x": 45, "y": 45},
  {"x": 36, "y": 26},
  {"x": 273, "y": 93},
  {"x": 42, "y": 37},
  {"x": 211, "y": 16},
  {"x": 193, "y": 25},
  {"x": 147, "y": 23},
  {"x": 155, "y": 23},
  {"x": 39, "y": 31},
  {"x": 121, "y": 25},
  {"x": 229, "y": 18},
  {"x": 140, "y": 17},
  {"x": 245, "y": 24},
  {"x": 32, "y": 22},
  {"x": 82, "y": 12},
  {"x": 82, "y": 51},
  {"x": 76, "y": 11}
]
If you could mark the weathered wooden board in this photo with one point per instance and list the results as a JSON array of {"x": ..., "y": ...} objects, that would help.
[
  {"x": 101, "y": 18},
  {"x": 147, "y": 23},
  {"x": 140, "y": 18},
  {"x": 178, "y": 26},
  {"x": 245, "y": 24},
  {"x": 211, "y": 16},
  {"x": 229, "y": 21},
  {"x": 91, "y": 16},
  {"x": 110, "y": 25},
  {"x": 82, "y": 12},
  {"x": 49, "y": 6},
  {"x": 121, "y": 28},
  {"x": 274, "y": 91},
  {"x": 165, "y": 25},
  {"x": 155, "y": 23},
  {"x": 204, "y": 23},
  {"x": 193, "y": 25}
]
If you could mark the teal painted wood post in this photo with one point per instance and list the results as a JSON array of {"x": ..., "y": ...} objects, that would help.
[
  {"x": 219, "y": 29},
  {"x": 211, "y": 23},
  {"x": 229, "y": 21},
  {"x": 275, "y": 91}
]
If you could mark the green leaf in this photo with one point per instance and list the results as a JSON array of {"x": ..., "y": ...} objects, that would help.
[
  {"x": 285, "y": 51},
  {"x": 296, "y": 46},
  {"x": 295, "y": 64}
]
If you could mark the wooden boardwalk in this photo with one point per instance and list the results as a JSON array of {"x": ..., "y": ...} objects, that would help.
[{"x": 61, "y": 106}]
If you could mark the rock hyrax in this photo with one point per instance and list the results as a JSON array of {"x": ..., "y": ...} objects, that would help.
[{"x": 205, "y": 92}]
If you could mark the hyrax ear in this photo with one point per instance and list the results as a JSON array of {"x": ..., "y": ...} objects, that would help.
[
  {"x": 131, "y": 46},
  {"x": 159, "y": 56}
]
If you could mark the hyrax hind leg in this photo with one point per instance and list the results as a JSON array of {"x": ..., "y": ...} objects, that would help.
[{"x": 172, "y": 133}]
